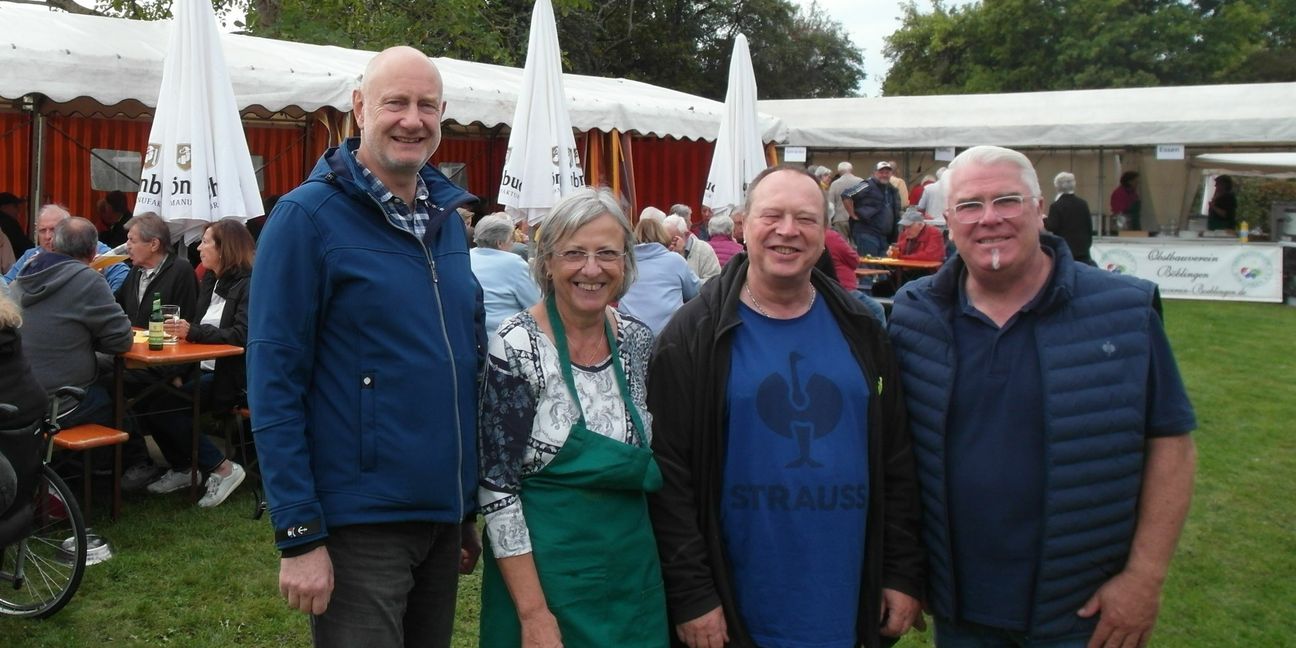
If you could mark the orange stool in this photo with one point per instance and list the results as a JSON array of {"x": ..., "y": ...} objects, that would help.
[{"x": 85, "y": 438}]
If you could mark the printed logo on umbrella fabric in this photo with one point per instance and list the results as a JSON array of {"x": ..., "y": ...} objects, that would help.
[
  {"x": 184, "y": 156},
  {"x": 152, "y": 155}
]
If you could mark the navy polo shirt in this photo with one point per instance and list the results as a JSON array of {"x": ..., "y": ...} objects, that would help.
[{"x": 994, "y": 453}]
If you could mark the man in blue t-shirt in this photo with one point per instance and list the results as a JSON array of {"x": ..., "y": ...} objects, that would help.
[
  {"x": 788, "y": 517},
  {"x": 1051, "y": 427}
]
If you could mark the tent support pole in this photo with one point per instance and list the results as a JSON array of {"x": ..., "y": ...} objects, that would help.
[
  {"x": 1102, "y": 212},
  {"x": 36, "y": 178}
]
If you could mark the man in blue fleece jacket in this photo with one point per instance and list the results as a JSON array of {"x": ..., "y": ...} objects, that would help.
[{"x": 365, "y": 339}]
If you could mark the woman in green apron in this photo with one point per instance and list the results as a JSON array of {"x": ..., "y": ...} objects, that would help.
[{"x": 570, "y": 555}]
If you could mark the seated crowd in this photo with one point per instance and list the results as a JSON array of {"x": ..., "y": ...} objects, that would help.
[{"x": 75, "y": 319}]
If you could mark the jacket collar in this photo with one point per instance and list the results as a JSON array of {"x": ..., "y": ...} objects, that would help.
[
  {"x": 944, "y": 286},
  {"x": 226, "y": 281},
  {"x": 728, "y": 294},
  {"x": 338, "y": 166}
]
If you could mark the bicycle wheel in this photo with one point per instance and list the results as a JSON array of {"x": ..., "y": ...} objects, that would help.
[{"x": 39, "y": 575}]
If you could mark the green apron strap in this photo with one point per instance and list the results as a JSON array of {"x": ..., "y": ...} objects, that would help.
[{"x": 564, "y": 361}]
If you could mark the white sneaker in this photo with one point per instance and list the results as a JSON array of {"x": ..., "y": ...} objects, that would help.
[
  {"x": 219, "y": 488},
  {"x": 170, "y": 482}
]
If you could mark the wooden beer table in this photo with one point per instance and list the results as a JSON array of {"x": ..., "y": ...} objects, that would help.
[
  {"x": 888, "y": 262},
  {"x": 896, "y": 267},
  {"x": 140, "y": 357}
]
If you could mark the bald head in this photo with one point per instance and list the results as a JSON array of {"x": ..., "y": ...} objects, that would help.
[
  {"x": 399, "y": 108},
  {"x": 398, "y": 59}
]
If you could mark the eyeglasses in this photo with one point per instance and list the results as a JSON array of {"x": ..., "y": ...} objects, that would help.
[
  {"x": 576, "y": 258},
  {"x": 973, "y": 211}
]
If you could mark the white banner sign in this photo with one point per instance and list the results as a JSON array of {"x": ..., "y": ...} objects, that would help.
[
  {"x": 794, "y": 154},
  {"x": 1188, "y": 270},
  {"x": 1170, "y": 151},
  {"x": 944, "y": 154}
]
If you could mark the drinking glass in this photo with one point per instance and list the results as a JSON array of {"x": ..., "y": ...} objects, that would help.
[{"x": 170, "y": 312}]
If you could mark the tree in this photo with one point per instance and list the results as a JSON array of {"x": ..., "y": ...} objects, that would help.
[
  {"x": 681, "y": 44},
  {"x": 1032, "y": 45}
]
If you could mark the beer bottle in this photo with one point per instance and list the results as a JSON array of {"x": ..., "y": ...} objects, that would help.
[{"x": 155, "y": 333}]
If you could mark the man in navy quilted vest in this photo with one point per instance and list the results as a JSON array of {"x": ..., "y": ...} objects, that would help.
[{"x": 1050, "y": 427}]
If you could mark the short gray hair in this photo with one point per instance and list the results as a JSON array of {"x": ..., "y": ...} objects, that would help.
[
  {"x": 675, "y": 224},
  {"x": 76, "y": 237},
  {"x": 492, "y": 231},
  {"x": 54, "y": 208},
  {"x": 1064, "y": 182},
  {"x": 680, "y": 209},
  {"x": 576, "y": 210},
  {"x": 845, "y": 167},
  {"x": 991, "y": 155},
  {"x": 821, "y": 172},
  {"x": 721, "y": 224},
  {"x": 151, "y": 227}
]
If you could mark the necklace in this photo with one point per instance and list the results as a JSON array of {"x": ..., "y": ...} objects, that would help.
[{"x": 747, "y": 286}]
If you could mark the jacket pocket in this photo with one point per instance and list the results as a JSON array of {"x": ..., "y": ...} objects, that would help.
[{"x": 368, "y": 420}]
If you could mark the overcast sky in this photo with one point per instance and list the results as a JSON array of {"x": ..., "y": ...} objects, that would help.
[{"x": 868, "y": 22}]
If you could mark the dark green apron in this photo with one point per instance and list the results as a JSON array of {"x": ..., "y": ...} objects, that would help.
[{"x": 591, "y": 539}]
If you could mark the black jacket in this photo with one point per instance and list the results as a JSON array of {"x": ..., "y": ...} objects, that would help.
[
  {"x": 229, "y": 385},
  {"x": 176, "y": 282},
  {"x": 877, "y": 206},
  {"x": 687, "y": 379},
  {"x": 1068, "y": 217}
]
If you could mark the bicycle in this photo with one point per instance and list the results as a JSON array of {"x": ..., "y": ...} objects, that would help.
[{"x": 42, "y": 532}]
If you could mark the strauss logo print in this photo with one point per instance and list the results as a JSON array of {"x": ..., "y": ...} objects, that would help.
[{"x": 801, "y": 414}]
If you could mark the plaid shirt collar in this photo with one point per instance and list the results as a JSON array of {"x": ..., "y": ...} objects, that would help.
[{"x": 412, "y": 219}]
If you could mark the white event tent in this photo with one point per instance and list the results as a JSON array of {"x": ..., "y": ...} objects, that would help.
[
  {"x": 117, "y": 64},
  {"x": 1095, "y": 134}
]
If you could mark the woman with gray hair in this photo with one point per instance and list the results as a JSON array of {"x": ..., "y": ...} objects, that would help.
[
  {"x": 565, "y": 456},
  {"x": 507, "y": 286},
  {"x": 1068, "y": 217},
  {"x": 722, "y": 238}
]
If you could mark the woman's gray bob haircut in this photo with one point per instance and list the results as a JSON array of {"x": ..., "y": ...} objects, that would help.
[
  {"x": 721, "y": 224},
  {"x": 1064, "y": 182},
  {"x": 576, "y": 210},
  {"x": 491, "y": 231}
]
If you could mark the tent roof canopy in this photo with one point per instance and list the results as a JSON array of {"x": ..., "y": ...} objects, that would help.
[
  {"x": 1190, "y": 115},
  {"x": 71, "y": 58},
  {"x": 1272, "y": 165}
]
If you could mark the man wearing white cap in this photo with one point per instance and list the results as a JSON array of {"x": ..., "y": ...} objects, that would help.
[{"x": 874, "y": 206}]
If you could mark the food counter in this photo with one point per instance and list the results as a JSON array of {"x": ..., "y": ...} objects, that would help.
[{"x": 1197, "y": 268}]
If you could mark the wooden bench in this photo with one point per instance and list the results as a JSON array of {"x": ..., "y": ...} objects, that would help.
[{"x": 85, "y": 438}]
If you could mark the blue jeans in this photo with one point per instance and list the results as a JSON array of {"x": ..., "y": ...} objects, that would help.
[
  {"x": 96, "y": 407},
  {"x": 172, "y": 428},
  {"x": 874, "y": 306},
  {"x": 393, "y": 585},
  {"x": 974, "y": 635},
  {"x": 868, "y": 242}
]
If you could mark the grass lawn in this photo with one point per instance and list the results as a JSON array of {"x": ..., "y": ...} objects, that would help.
[{"x": 189, "y": 577}]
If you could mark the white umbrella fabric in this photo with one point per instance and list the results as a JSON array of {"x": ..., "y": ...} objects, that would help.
[
  {"x": 739, "y": 155},
  {"x": 541, "y": 164},
  {"x": 197, "y": 168}
]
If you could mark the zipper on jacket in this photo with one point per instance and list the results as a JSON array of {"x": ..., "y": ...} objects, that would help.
[{"x": 445, "y": 335}]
